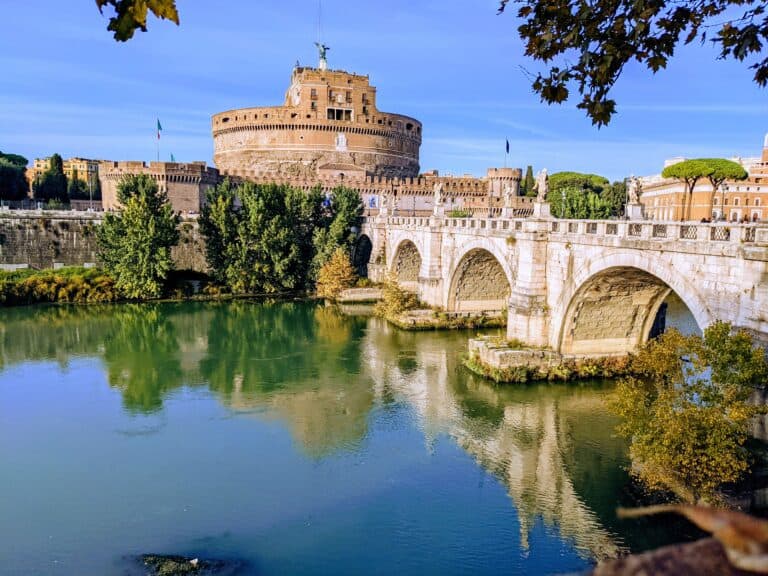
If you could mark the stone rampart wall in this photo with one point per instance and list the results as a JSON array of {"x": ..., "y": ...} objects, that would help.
[{"x": 31, "y": 239}]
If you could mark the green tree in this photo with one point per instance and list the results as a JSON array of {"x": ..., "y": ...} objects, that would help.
[
  {"x": 13, "y": 182},
  {"x": 135, "y": 243},
  {"x": 569, "y": 185},
  {"x": 723, "y": 170},
  {"x": 587, "y": 45},
  {"x": 52, "y": 185},
  {"x": 686, "y": 412},
  {"x": 77, "y": 189},
  {"x": 689, "y": 172},
  {"x": 131, "y": 15},
  {"x": 338, "y": 227},
  {"x": 265, "y": 244},
  {"x": 615, "y": 196},
  {"x": 526, "y": 188},
  {"x": 581, "y": 205},
  {"x": 16, "y": 159},
  {"x": 219, "y": 224}
]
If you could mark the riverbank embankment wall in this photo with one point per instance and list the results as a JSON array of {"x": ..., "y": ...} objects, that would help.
[{"x": 54, "y": 239}]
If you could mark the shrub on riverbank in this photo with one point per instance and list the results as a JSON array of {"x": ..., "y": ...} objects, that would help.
[
  {"x": 336, "y": 275},
  {"x": 395, "y": 300},
  {"x": 688, "y": 410},
  {"x": 69, "y": 285}
]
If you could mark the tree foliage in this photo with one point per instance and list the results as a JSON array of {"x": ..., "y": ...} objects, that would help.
[
  {"x": 580, "y": 196},
  {"x": 587, "y": 45},
  {"x": 131, "y": 15},
  {"x": 16, "y": 159},
  {"x": 52, "y": 184},
  {"x": 337, "y": 227},
  {"x": 77, "y": 189},
  {"x": 336, "y": 275},
  {"x": 13, "y": 181},
  {"x": 687, "y": 411},
  {"x": 270, "y": 238},
  {"x": 691, "y": 172},
  {"x": 135, "y": 243},
  {"x": 526, "y": 186}
]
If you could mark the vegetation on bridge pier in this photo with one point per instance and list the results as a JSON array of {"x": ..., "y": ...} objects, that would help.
[{"x": 403, "y": 309}]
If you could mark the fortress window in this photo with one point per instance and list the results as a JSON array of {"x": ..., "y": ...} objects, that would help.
[
  {"x": 409, "y": 126},
  {"x": 313, "y": 93},
  {"x": 223, "y": 120},
  {"x": 339, "y": 114},
  {"x": 314, "y": 107},
  {"x": 266, "y": 115},
  {"x": 349, "y": 97}
]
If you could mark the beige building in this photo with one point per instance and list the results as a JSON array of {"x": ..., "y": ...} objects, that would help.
[
  {"x": 185, "y": 184},
  {"x": 663, "y": 198},
  {"x": 86, "y": 169},
  {"x": 328, "y": 124}
]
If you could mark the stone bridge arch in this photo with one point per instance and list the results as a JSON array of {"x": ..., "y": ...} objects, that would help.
[
  {"x": 481, "y": 280},
  {"x": 406, "y": 264},
  {"x": 610, "y": 304}
]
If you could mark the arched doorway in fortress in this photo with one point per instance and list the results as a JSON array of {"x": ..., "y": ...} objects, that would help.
[
  {"x": 406, "y": 265},
  {"x": 361, "y": 255},
  {"x": 478, "y": 284},
  {"x": 619, "y": 308}
]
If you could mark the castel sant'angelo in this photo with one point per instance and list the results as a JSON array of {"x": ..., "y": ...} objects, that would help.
[
  {"x": 329, "y": 122},
  {"x": 330, "y": 131}
]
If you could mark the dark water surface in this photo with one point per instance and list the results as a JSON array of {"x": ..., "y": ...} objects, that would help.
[{"x": 297, "y": 440}]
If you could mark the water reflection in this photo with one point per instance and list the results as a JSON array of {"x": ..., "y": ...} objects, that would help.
[
  {"x": 321, "y": 374},
  {"x": 526, "y": 436}
]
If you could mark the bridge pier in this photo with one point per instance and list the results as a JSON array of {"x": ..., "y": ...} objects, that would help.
[
  {"x": 431, "y": 273},
  {"x": 528, "y": 313}
]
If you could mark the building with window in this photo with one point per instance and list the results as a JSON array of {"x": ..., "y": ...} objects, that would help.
[
  {"x": 329, "y": 122},
  {"x": 83, "y": 169},
  {"x": 664, "y": 198}
]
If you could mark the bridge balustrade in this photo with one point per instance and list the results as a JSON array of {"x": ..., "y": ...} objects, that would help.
[{"x": 647, "y": 230}]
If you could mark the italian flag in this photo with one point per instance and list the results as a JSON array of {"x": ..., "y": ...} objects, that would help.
[{"x": 159, "y": 129}]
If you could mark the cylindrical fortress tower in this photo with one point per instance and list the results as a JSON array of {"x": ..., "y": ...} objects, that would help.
[{"x": 329, "y": 122}]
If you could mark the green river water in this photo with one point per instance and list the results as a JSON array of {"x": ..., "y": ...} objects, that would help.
[{"x": 294, "y": 440}]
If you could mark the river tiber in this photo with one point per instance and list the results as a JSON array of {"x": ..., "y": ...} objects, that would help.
[{"x": 310, "y": 353}]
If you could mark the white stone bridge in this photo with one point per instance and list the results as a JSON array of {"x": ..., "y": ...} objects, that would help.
[{"x": 575, "y": 286}]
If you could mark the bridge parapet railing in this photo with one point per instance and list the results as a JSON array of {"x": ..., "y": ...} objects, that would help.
[
  {"x": 725, "y": 232},
  {"x": 664, "y": 231}
]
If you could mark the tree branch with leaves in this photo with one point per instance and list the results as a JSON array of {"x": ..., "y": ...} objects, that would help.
[{"x": 586, "y": 45}]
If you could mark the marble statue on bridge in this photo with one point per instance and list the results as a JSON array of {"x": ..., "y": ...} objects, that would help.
[
  {"x": 542, "y": 186},
  {"x": 634, "y": 189}
]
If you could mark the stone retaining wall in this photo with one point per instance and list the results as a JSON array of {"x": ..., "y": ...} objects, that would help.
[{"x": 53, "y": 239}]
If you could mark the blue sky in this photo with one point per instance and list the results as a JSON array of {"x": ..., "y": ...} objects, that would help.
[{"x": 68, "y": 87}]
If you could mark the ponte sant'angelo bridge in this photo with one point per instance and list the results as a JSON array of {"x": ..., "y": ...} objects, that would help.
[{"x": 575, "y": 286}]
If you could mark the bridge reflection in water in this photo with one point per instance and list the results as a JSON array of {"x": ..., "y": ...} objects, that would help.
[{"x": 531, "y": 438}]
